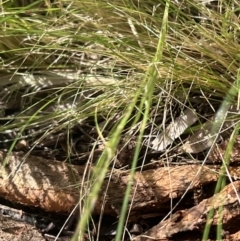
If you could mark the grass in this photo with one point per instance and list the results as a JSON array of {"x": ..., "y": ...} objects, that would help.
[{"x": 141, "y": 62}]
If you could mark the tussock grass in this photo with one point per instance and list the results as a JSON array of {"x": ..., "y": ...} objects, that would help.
[{"x": 150, "y": 65}]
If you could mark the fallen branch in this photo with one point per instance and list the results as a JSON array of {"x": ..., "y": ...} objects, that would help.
[{"x": 55, "y": 186}]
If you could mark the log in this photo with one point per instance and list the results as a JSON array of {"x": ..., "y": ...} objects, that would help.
[{"x": 55, "y": 186}]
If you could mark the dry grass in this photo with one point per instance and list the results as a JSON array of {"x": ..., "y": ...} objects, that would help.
[{"x": 94, "y": 61}]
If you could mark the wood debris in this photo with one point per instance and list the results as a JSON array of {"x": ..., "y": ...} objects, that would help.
[{"x": 194, "y": 219}]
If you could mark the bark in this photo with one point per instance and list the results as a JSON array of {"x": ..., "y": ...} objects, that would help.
[
  {"x": 39, "y": 182},
  {"x": 15, "y": 231},
  {"x": 194, "y": 219}
]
